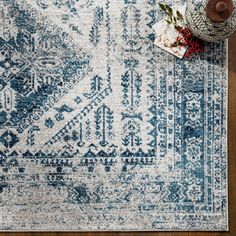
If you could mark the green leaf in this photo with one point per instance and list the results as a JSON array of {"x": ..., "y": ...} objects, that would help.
[
  {"x": 162, "y": 6},
  {"x": 168, "y": 21},
  {"x": 174, "y": 19},
  {"x": 179, "y": 15},
  {"x": 169, "y": 9},
  {"x": 169, "y": 14}
]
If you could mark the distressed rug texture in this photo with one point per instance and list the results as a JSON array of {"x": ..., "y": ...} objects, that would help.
[{"x": 100, "y": 129}]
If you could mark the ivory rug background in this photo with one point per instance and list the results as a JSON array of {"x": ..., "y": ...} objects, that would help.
[{"x": 100, "y": 129}]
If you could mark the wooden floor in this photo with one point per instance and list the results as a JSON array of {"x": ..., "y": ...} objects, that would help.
[{"x": 232, "y": 169}]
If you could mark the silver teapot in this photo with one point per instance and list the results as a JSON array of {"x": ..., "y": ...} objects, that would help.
[{"x": 211, "y": 20}]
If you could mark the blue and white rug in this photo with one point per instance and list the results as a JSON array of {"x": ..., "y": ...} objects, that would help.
[{"x": 100, "y": 129}]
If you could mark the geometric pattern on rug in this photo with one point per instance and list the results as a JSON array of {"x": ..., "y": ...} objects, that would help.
[{"x": 100, "y": 129}]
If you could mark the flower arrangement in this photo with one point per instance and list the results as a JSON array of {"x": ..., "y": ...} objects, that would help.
[{"x": 185, "y": 37}]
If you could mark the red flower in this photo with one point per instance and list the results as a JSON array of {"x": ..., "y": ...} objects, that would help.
[{"x": 187, "y": 39}]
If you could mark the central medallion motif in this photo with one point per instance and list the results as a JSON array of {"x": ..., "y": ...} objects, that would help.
[{"x": 37, "y": 62}]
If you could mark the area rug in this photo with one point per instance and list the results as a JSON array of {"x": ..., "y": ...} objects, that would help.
[{"x": 100, "y": 129}]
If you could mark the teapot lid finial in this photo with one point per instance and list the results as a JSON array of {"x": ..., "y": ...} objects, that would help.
[
  {"x": 221, "y": 7},
  {"x": 219, "y": 10}
]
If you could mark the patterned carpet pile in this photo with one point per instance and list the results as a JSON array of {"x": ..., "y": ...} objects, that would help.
[{"x": 102, "y": 130}]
